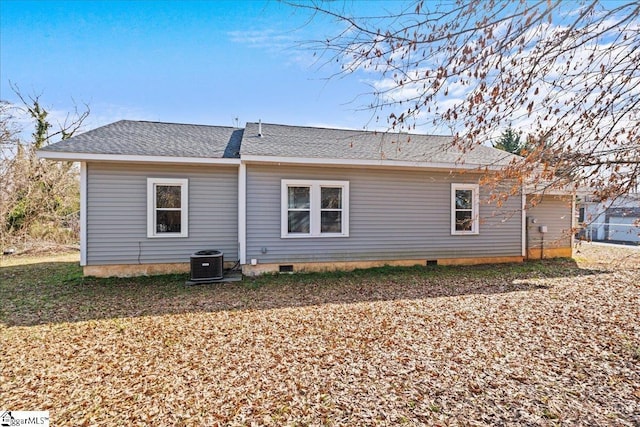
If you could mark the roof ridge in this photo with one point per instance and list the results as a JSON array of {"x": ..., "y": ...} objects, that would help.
[
  {"x": 351, "y": 130},
  {"x": 177, "y": 123}
]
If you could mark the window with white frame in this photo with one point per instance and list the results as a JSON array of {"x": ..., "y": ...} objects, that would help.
[
  {"x": 315, "y": 208},
  {"x": 167, "y": 207},
  {"x": 464, "y": 209}
]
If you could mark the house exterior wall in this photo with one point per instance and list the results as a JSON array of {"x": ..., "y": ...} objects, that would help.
[
  {"x": 117, "y": 215},
  {"x": 394, "y": 215},
  {"x": 556, "y": 213}
]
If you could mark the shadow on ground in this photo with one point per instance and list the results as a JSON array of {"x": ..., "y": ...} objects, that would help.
[{"x": 56, "y": 292}]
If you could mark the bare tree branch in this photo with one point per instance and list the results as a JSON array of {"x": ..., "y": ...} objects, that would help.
[
  {"x": 39, "y": 199},
  {"x": 566, "y": 74}
]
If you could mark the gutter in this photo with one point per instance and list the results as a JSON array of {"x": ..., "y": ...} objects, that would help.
[
  {"x": 399, "y": 164},
  {"x": 84, "y": 157}
]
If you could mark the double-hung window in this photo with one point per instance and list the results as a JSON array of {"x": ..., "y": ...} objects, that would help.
[
  {"x": 315, "y": 208},
  {"x": 464, "y": 209},
  {"x": 299, "y": 209},
  {"x": 167, "y": 207}
]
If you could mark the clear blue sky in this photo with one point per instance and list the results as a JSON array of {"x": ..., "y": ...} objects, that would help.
[{"x": 204, "y": 62}]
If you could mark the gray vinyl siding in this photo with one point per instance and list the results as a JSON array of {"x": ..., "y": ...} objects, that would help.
[
  {"x": 394, "y": 214},
  {"x": 117, "y": 213},
  {"x": 554, "y": 212}
]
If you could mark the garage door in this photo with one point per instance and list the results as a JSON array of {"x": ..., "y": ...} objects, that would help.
[{"x": 624, "y": 228}]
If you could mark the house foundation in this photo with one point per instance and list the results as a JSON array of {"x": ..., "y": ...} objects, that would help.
[
  {"x": 303, "y": 267},
  {"x": 132, "y": 270},
  {"x": 538, "y": 253}
]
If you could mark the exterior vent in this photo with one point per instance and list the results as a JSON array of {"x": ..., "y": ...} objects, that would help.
[
  {"x": 286, "y": 269},
  {"x": 432, "y": 262},
  {"x": 207, "y": 266}
]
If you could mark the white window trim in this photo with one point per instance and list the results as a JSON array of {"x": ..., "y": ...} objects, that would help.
[
  {"x": 314, "y": 207},
  {"x": 475, "y": 209},
  {"x": 151, "y": 207}
]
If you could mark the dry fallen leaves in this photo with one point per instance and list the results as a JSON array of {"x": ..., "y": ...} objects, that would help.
[{"x": 561, "y": 350}]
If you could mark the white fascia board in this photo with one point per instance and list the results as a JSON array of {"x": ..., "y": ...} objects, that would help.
[
  {"x": 365, "y": 163},
  {"x": 83, "y": 157}
]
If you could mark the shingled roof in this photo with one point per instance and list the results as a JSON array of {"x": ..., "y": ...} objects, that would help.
[
  {"x": 140, "y": 138},
  {"x": 170, "y": 140},
  {"x": 310, "y": 142}
]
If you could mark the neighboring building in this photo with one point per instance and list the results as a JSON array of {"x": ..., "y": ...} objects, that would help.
[
  {"x": 289, "y": 198},
  {"x": 616, "y": 221}
]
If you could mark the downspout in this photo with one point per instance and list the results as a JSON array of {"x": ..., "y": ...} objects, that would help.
[
  {"x": 525, "y": 226},
  {"x": 242, "y": 213},
  {"x": 83, "y": 214},
  {"x": 527, "y": 235},
  {"x": 573, "y": 221}
]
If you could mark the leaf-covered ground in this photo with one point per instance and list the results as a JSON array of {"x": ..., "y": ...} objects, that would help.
[{"x": 543, "y": 343}]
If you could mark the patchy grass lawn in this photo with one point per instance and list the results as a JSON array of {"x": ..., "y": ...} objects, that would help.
[{"x": 542, "y": 343}]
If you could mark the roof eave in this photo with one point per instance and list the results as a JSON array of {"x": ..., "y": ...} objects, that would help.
[
  {"x": 84, "y": 157},
  {"x": 382, "y": 163}
]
